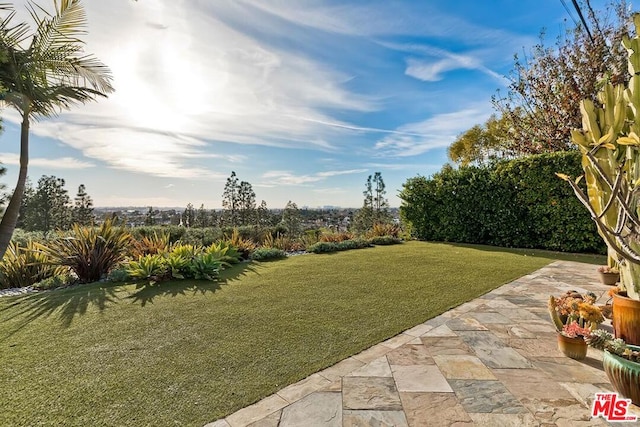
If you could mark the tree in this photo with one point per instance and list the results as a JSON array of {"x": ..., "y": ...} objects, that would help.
[
  {"x": 375, "y": 207},
  {"x": 202, "y": 218},
  {"x": 541, "y": 104},
  {"x": 380, "y": 203},
  {"x": 49, "y": 206},
  {"x": 230, "y": 200},
  {"x": 246, "y": 203},
  {"x": 42, "y": 72},
  {"x": 263, "y": 216},
  {"x": 482, "y": 143},
  {"x": 189, "y": 216},
  {"x": 150, "y": 217},
  {"x": 291, "y": 219},
  {"x": 82, "y": 212},
  {"x": 363, "y": 218}
]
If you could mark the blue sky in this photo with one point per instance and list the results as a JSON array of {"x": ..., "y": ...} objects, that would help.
[{"x": 303, "y": 99}]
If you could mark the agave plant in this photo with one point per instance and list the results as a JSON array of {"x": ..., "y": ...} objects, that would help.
[
  {"x": 205, "y": 267},
  {"x": 225, "y": 252},
  {"x": 148, "y": 267},
  {"x": 89, "y": 252}
]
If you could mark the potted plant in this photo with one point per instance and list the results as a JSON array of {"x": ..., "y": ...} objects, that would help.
[
  {"x": 608, "y": 275},
  {"x": 574, "y": 316},
  {"x": 621, "y": 363},
  {"x": 610, "y": 146}
]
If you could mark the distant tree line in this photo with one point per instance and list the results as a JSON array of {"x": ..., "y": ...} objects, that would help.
[{"x": 48, "y": 206}]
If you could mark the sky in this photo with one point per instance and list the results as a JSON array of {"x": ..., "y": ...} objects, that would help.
[{"x": 303, "y": 99}]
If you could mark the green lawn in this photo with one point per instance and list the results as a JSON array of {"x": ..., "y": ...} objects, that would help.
[{"x": 187, "y": 353}]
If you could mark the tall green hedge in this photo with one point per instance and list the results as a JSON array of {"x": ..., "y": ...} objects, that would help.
[{"x": 515, "y": 203}]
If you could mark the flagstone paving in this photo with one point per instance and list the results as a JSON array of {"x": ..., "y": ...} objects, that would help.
[{"x": 492, "y": 361}]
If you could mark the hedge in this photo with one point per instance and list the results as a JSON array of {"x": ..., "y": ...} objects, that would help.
[{"x": 515, "y": 203}]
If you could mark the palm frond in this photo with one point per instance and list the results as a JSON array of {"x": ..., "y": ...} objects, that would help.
[
  {"x": 53, "y": 72},
  {"x": 63, "y": 28},
  {"x": 12, "y": 35}
]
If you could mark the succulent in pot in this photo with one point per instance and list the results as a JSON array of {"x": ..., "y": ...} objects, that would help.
[{"x": 574, "y": 315}]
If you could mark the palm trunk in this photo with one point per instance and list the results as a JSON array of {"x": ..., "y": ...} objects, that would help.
[{"x": 10, "y": 218}]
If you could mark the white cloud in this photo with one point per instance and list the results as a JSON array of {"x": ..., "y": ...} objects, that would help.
[
  {"x": 436, "y": 132},
  {"x": 58, "y": 163},
  {"x": 275, "y": 178},
  {"x": 185, "y": 79}
]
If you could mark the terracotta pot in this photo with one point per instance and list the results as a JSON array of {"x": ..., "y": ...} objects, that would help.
[
  {"x": 623, "y": 374},
  {"x": 626, "y": 319},
  {"x": 575, "y": 348},
  {"x": 609, "y": 279}
]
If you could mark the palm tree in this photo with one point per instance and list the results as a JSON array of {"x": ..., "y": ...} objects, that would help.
[{"x": 43, "y": 72}]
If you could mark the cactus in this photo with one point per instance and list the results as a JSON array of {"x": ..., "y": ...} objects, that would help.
[
  {"x": 610, "y": 146},
  {"x": 553, "y": 313}
]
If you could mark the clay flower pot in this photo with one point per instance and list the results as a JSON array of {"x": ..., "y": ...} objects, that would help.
[
  {"x": 609, "y": 279},
  {"x": 575, "y": 348},
  {"x": 626, "y": 319},
  {"x": 623, "y": 374}
]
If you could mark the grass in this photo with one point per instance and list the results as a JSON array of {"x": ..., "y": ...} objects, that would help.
[{"x": 187, "y": 353}]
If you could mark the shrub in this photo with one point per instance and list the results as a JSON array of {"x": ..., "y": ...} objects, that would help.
[
  {"x": 383, "y": 230},
  {"x": 23, "y": 266},
  {"x": 22, "y": 237},
  {"x": 335, "y": 237},
  {"x": 326, "y": 247},
  {"x": 516, "y": 203},
  {"x": 323, "y": 247},
  {"x": 150, "y": 244},
  {"x": 54, "y": 282},
  {"x": 175, "y": 232},
  {"x": 118, "y": 274},
  {"x": 352, "y": 244},
  {"x": 265, "y": 254},
  {"x": 385, "y": 240},
  {"x": 89, "y": 252},
  {"x": 244, "y": 246},
  {"x": 202, "y": 236}
]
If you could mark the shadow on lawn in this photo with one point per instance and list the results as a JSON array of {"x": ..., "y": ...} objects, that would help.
[
  {"x": 74, "y": 301},
  {"x": 68, "y": 302},
  {"x": 146, "y": 293}
]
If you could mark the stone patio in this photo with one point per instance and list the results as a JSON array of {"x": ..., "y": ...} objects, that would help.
[{"x": 490, "y": 362}]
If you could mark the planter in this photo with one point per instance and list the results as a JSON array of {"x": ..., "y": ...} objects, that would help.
[
  {"x": 575, "y": 348},
  {"x": 609, "y": 279},
  {"x": 626, "y": 319},
  {"x": 623, "y": 374}
]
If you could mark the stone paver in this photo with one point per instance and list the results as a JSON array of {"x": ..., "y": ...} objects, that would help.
[
  {"x": 433, "y": 409},
  {"x": 492, "y": 361},
  {"x": 410, "y": 354},
  {"x": 420, "y": 378},
  {"x": 303, "y": 388},
  {"x": 377, "y": 368},
  {"x": 374, "y": 418},
  {"x": 316, "y": 410},
  {"x": 463, "y": 368},
  {"x": 377, "y": 393}
]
